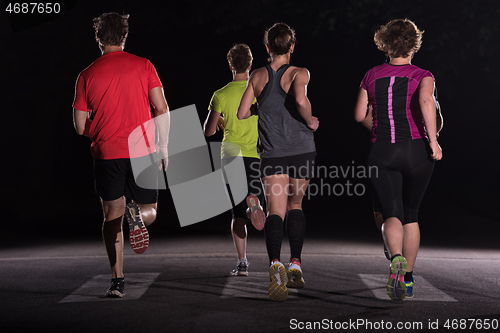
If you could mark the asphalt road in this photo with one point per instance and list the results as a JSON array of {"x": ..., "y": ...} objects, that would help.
[{"x": 181, "y": 284}]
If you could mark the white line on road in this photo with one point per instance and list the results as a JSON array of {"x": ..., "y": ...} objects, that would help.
[
  {"x": 93, "y": 290},
  {"x": 423, "y": 290},
  {"x": 255, "y": 285}
]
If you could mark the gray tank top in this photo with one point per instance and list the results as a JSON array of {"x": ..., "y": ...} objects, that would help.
[{"x": 282, "y": 131}]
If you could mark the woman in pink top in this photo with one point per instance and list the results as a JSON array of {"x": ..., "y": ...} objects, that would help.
[{"x": 396, "y": 101}]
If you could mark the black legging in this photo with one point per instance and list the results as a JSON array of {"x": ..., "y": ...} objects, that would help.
[{"x": 404, "y": 171}]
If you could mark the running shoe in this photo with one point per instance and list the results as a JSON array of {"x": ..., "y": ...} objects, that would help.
[
  {"x": 116, "y": 288},
  {"x": 396, "y": 286},
  {"x": 139, "y": 236},
  {"x": 241, "y": 268},
  {"x": 294, "y": 275},
  {"x": 277, "y": 285},
  {"x": 409, "y": 288},
  {"x": 257, "y": 215}
]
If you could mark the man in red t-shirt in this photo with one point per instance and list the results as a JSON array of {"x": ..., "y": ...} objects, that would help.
[{"x": 112, "y": 99}]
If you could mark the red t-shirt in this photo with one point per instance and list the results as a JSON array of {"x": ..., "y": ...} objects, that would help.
[{"x": 115, "y": 92}]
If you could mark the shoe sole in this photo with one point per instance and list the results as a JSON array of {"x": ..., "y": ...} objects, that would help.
[
  {"x": 396, "y": 286},
  {"x": 138, "y": 235},
  {"x": 114, "y": 294},
  {"x": 257, "y": 215},
  {"x": 239, "y": 274},
  {"x": 277, "y": 286},
  {"x": 295, "y": 279}
]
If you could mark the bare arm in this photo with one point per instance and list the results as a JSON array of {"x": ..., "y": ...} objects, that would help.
[
  {"x": 428, "y": 108},
  {"x": 361, "y": 109},
  {"x": 213, "y": 122},
  {"x": 368, "y": 121},
  {"x": 81, "y": 122},
  {"x": 246, "y": 102},
  {"x": 162, "y": 118},
  {"x": 299, "y": 91},
  {"x": 439, "y": 117}
]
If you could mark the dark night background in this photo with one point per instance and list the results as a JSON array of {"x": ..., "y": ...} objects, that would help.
[{"x": 47, "y": 183}]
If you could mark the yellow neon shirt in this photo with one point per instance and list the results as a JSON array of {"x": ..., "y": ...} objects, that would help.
[{"x": 242, "y": 133}]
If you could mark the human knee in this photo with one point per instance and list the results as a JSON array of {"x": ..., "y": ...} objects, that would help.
[
  {"x": 113, "y": 210},
  {"x": 393, "y": 214}
]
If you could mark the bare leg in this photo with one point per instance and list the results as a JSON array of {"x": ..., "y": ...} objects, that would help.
[
  {"x": 298, "y": 188},
  {"x": 393, "y": 234},
  {"x": 411, "y": 243},
  {"x": 276, "y": 189},
  {"x": 148, "y": 212},
  {"x": 239, "y": 232},
  {"x": 112, "y": 233},
  {"x": 385, "y": 240},
  {"x": 379, "y": 219}
]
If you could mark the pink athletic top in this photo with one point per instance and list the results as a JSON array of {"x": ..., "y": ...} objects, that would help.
[{"x": 396, "y": 111}]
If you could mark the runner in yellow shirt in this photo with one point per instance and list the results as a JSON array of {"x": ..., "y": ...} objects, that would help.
[{"x": 240, "y": 139}]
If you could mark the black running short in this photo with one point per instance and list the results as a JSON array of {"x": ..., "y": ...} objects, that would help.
[
  {"x": 115, "y": 178},
  {"x": 296, "y": 166}
]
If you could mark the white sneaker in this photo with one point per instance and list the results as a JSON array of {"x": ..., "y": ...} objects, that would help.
[
  {"x": 277, "y": 285},
  {"x": 294, "y": 275}
]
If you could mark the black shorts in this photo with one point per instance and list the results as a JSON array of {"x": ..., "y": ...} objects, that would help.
[
  {"x": 296, "y": 166},
  {"x": 115, "y": 178}
]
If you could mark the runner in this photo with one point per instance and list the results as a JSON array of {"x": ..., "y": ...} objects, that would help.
[
  {"x": 112, "y": 98},
  {"x": 287, "y": 152},
  {"x": 404, "y": 144},
  {"x": 240, "y": 139}
]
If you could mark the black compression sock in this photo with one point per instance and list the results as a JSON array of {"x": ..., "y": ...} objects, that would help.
[
  {"x": 273, "y": 231},
  {"x": 295, "y": 222},
  {"x": 408, "y": 276}
]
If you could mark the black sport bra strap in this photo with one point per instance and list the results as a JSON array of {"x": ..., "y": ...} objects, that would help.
[
  {"x": 284, "y": 67},
  {"x": 270, "y": 74},
  {"x": 281, "y": 71}
]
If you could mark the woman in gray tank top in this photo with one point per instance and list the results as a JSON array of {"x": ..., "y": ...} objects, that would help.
[{"x": 287, "y": 151}]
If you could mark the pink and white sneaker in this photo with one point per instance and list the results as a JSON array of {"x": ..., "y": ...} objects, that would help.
[
  {"x": 139, "y": 236},
  {"x": 257, "y": 215}
]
